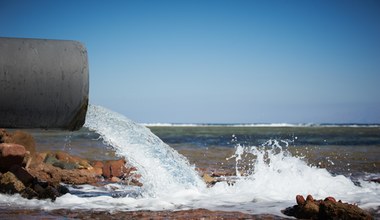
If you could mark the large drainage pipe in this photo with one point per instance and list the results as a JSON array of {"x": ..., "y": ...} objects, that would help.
[{"x": 43, "y": 83}]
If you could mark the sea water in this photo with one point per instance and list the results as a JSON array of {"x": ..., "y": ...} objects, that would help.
[{"x": 271, "y": 165}]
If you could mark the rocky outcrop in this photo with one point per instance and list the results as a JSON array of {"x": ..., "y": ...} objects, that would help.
[
  {"x": 33, "y": 174},
  {"x": 328, "y": 208},
  {"x": 52, "y": 174},
  {"x": 20, "y": 181},
  {"x": 63, "y": 167}
]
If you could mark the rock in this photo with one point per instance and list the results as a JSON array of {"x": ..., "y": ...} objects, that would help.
[
  {"x": 300, "y": 200},
  {"x": 98, "y": 168},
  {"x": 11, "y": 154},
  {"x": 49, "y": 192},
  {"x": 43, "y": 190},
  {"x": 325, "y": 209},
  {"x": 44, "y": 172},
  {"x": 309, "y": 209},
  {"x": 115, "y": 168},
  {"x": 64, "y": 163},
  {"x": 22, "y": 174},
  {"x": 29, "y": 193},
  {"x": 24, "y": 139},
  {"x": 65, "y": 157},
  {"x": 309, "y": 198},
  {"x": 338, "y": 210},
  {"x": 38, "y": 158},
  {"x": 10, "y": 184},
  {"x": 208, "y": 179},
  {"x": 53, "y": 174},
  {"x": 375, "y": 180},
  {"x": 331, "y": 199}
]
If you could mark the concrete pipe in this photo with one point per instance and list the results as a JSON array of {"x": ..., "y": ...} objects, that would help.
[{"x": 43, "y": 83}]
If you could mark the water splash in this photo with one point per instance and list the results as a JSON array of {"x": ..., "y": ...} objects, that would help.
[
  {"x": 272, "y": 169},
  {"x": 162, "y": 168},
  {"x": 268, "y": 177}
]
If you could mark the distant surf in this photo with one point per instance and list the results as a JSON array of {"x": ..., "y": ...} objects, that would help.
[{"x": 257, "y": 125}]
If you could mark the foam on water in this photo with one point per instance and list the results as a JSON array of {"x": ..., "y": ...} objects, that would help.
[{"x": 268, "y": 177}]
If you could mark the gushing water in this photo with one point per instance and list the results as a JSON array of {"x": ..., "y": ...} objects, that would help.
[{"x": 162, "y": 168}]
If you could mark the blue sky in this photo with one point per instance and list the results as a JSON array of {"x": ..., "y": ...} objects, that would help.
[{"x": 219, "y": 61}]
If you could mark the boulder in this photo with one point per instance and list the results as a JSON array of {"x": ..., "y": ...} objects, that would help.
[
  {"x": 10, "y": 184},
  {"x": 52, "y": 174},
  {"x": 11, "y": 154},
  {"x": 98, "y": 167},
  {"x": 23, "y": 175},
  {"x": 23, "y": 138},
  {"x": 115, "y": 168},
  {"x": 325, "y": 209}
]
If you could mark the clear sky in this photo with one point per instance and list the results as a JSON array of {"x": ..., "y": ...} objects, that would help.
[{"x": 219, "y": 61}]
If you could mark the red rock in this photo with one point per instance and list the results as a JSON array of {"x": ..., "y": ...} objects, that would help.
[
  {"x": 300, "y": 200},
  {"x": 24, "y": 139},
  {"x": 56, "y": 175},
  {"x": 310, "y": 198},
  {"x": 113, "y": 168},
  {"x": 331, "y": 199},
  {"x": 327, "y": 209},
  {"x": 97, "y": 171},
  {"x": 12, "y": 150},
  {"x": 98, "y": 164},
  {"x": 97, "y": 168},
  {"x": 11, "y": 154}
]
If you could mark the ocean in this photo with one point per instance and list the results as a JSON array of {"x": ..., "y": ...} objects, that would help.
[{"x": 270, "y": 164}]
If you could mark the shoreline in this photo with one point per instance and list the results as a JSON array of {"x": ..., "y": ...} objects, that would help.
[{"x": 64, "y": 214}]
